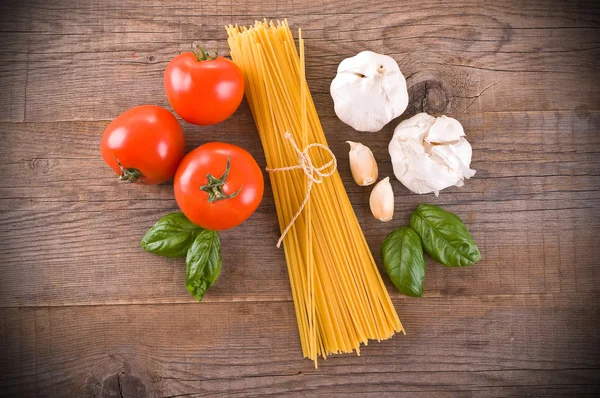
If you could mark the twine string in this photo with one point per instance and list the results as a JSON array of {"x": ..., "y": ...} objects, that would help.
[{"x": 314, "y": 174}]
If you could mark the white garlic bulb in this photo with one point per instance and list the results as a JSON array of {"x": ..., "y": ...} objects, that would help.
[
  {"x": 362, "y": 164},
  {"x": 369, "y": 91},
  {"x": 382, "y": 200},
  {"x": 430, "y": 154}
]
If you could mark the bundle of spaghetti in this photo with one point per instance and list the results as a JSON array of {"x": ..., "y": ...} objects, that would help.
[{"x": 339, "y": 296}]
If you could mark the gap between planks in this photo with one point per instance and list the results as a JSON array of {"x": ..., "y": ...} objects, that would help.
[
  {"x": 272, "y": 299},
  {"x": 482, "y": 113}
]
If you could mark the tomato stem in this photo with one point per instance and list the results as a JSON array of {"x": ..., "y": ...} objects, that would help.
[
  {"x": 202, "y": 55},
  {"x": 130, "y": 174},
  {"x": 214, "y": 188}
]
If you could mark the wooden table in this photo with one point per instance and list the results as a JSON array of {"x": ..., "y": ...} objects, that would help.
[{"x": 85, "y": 312}]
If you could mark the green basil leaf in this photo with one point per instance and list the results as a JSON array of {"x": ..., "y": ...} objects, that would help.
[
  {"x": 203, "y": 263},
  {"x": 404, "y": 262},
  {"x": 171, "y": 236},
  {"x": 445, "y": 237}
]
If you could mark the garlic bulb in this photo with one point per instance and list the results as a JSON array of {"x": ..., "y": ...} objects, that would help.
[
  {"x": 362, "y": 164},
  {"x": 382, "y": 200},
  {"x": 430, "y": 154},
  {"x": 368, "y": 91}
]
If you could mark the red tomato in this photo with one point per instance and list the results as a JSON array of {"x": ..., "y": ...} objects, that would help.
[
  {"x": 218, "y": 185},
  {"x": 144, "y": 144},
  {"x": 203, "y": 89}
]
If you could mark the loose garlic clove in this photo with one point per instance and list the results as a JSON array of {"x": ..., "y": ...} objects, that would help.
[
  {"x": 382, "y": 200},
  {"x": 362, "y": 164}
]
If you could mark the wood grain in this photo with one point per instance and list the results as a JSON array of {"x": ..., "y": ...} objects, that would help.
[{"x": 85, "y": 312}]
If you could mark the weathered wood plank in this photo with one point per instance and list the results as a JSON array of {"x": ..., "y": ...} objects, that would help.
[
  {"x": 90, "y": 61},
  {"x": 516, "y": 154},
  {"x": 59, "y": 265},
  {"x": 454, "y": 345}
]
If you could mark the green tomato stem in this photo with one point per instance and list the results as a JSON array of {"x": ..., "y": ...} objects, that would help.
[
  {"x": 214, "y": 187},
  {"x": 202, "y": 55},
  {"x": 130, "y": 174}
]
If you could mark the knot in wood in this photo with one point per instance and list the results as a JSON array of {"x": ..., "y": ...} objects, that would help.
[{"x": 428, "y": 96}]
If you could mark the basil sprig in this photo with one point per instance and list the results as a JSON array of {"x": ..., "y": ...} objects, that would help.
[
  {"x": 176, "y": 236},
  {"x": 445, "y": 237},
  {"x": 171, "y": 236},
  {"x": 404, "y": 262}
]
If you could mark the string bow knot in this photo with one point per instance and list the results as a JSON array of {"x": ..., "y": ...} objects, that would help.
[{"x": 314, "y": 174}]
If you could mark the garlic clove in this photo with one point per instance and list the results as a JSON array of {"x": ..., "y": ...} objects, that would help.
[
  {"x": 415, "y": 128},
  {"x": 445, "y": 130},
  {"x": 382, "y": 200},
  {"x": 368, "y": 91},
  {"x": 362, "y": 164}
]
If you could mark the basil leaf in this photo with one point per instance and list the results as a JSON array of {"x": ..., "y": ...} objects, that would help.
[
  {"x": 445, "y": 237},
  {"x": 171, "y": 236},
  {"x": 203, "y": 263},
  {"x": 404, "y": 262}
]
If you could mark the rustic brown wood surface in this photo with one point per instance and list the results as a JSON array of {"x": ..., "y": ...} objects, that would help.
[{"x": 86, "y": 313}]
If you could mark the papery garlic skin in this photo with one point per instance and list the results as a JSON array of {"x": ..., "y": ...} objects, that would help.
[
  {"x": 381, "y": 200},
  {"x": 369, "y": 91},
  {"x": 362, "y": 164},
  {"x": 430, "y": 154}
]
